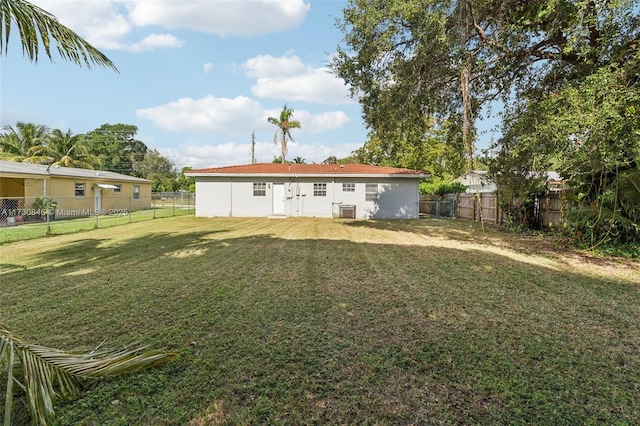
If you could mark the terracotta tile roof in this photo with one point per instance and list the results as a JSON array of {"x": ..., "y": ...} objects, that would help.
[{"x": 308, "y": 169}]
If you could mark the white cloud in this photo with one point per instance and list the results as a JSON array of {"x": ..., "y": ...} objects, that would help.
[
  {"x": 289, "y": 79},
  {"x": 232, "y": 153},
  {"x": 318, "y": 123},
  {"x": 315, "y": 86},
  {"x": 222, "y": 17},
  {"x": 207, "y": 67},
  {"x": 269, "y": 66},
  {"x": 208, "y": 115},
  {"x": 155, "y": 40},
  {"x": 225, "y": 116},
  {"x": 109, "y": 24},
  {"x": 100, "y": 22}
]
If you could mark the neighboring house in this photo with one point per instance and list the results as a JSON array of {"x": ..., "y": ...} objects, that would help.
[
  {"x": 555, "y": 182},
  {"x": 77, "y": 192},
  {"x": 311, "y": 190},
  {"x": 477, "y": 181}
]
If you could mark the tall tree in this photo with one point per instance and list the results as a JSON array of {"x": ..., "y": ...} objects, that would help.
[
  {"x": 422, "y": 146},
  {"x": 158, "y": 169},
  {"x": 16, "y": 142},
  {"x": 37, "y": 27},
  {"x": 410, "y": 59},
  {"x": 64, "y": 149},
  {"x": 185, "y": 183},
  {"x": 117, "y": 147},
  {"x": 589, "y": 131},
  {"x": 283, "y": 135}
]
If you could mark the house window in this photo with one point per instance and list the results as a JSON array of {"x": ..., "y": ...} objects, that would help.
[
  {"x": 259, "y": 189},
  {"x": 80, "y": 189},
  {"x": 348, "y": 187},
  {"x": 117, "y": 189},
  {"x": 371, "y": 192},
  {"x": 136, "y": 192},
  {"x": 319, "y": 189}
]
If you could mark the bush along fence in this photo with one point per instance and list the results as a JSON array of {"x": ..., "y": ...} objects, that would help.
[
  {"x": 545, "y": 212},
  {"x": 40, "y": 215}
]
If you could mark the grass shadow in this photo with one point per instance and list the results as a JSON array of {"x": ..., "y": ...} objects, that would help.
[{"x": 334, "y": 331}]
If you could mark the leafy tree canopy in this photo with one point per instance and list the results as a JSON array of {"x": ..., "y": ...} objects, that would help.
[
  {"x": 118, "y": 149},
  {"x": 158, "y": 169},
  {"x": 185, "y": 183},
  {"x": 16, "y": 142},
  {"x": 589, "y": 131},
  {"x": 410, "y": 59},
  {"x": 64, "y": 149}
]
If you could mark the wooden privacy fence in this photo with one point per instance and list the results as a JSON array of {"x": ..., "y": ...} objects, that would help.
[
  {"x": 550, "y": 209},
  {"x": 479, "y": 207}
]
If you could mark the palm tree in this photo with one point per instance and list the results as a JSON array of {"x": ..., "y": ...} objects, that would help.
[
  {"x": 15, "y": 142},
  {"x": 48, "y": 373},
  {"x": 299, "y": 160},
  {"x": 285, "y": 124},
  {"x": 32, "y": 21},
  {"x": 64, "y": 149}
]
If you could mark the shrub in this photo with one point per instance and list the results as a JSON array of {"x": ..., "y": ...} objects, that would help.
[{"x": 441, "y": 188}]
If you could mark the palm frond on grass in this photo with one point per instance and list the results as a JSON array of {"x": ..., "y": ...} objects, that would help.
[{"x": 51, "y": 374}]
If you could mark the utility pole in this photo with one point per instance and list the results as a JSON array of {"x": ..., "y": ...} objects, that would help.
[{"x": 253, "y": 147}]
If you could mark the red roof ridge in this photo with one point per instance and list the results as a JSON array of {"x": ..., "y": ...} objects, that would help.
[{"x": 311, "y": 169}]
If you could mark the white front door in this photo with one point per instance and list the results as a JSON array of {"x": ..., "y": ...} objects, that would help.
[{"x": 278, "y": 198}]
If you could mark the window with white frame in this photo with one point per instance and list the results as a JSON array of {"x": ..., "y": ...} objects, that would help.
[
  {"x": 319, "y": 189},
  {"x": 80, "y": 189},
  {"x": 136, "y": 192},
  {"x": 259, "y": 189},
  {"x": 371, "y": 192},
  {"x": 117, "y": 189},
  {"x": 348, "y": 187}
]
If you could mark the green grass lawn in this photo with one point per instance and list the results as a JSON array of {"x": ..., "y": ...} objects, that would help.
[
  {"x": 71, "y": 225},
  {"x": 319, "y": 321}
]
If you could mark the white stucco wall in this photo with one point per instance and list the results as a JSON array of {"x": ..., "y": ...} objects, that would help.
[{"x": 225, "y": 196}]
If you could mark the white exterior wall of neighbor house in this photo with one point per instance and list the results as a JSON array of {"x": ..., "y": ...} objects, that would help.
[{"x": 234, "y": 196}]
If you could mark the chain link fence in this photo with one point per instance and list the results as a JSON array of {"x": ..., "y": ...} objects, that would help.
[
  {"x": 31, "y": 217},
  {"x": 437, "y": 207}
]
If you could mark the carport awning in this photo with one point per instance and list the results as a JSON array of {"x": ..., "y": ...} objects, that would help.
[{"x": 106, "y": 186}]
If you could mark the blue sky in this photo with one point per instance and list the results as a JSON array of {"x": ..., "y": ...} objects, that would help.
[{"x": 196, "y": 77}]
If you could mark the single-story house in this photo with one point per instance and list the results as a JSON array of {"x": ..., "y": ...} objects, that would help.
[
  {"x": 310, "y": 190},
  {"x": 76, "y": 192}
]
